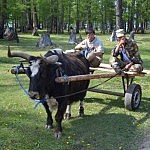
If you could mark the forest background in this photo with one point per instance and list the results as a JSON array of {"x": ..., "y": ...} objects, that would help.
[{"x": 58, "y": 15}]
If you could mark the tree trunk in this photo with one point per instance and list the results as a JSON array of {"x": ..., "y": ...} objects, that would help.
[
  {"x": 29, "y": 18},
  {"x": 2, "y": 17},
  {"x": 69, "y": 15},
  {"x": 113, "y": 36},
  {"x": 1, "y": 26},
  {"x": 119, "y": 23},
  {"x": 77, "y": 17},
  {"x": 90, "y": 25},
  {"x": 44, "y": 41},
  {"x": 62, "y": 18},
  {"x": 131, "y": 17},
  {"x": 35, "y": 18},
  {"x": 54, "y": 19}
]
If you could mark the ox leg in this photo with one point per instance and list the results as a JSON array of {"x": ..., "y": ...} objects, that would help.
[
  {"x": 81, "y": 108},
  {"x": 58, "y": 117},
  {"x": 49, "y": 123},
  {"x": 67, "y": 114}
]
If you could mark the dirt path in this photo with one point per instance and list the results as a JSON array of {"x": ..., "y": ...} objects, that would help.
[{"x": 146, "y": 142}]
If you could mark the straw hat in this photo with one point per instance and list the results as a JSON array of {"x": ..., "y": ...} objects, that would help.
[{"x": 120, "y": 33}]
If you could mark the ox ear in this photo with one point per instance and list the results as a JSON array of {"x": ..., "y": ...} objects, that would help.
[{"x": 53, "y": 59}]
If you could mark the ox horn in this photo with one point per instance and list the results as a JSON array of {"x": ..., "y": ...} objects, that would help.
[{"x": 18, "y": 54}]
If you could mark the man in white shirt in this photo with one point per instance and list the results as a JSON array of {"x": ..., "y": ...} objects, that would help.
[{"x": 92, "y": 48}]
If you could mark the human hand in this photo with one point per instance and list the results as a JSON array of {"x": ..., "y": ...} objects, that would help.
[
  {"x": 80, "y": 47},
  {"x": 94, "y": 49},
  {"x": 122, "y": 41},
  {"x": 128, "y": 66}
]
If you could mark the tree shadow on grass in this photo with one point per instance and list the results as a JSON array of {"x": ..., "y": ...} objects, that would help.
[
  {"x": 111, "y": 130},
  {"x": 119, "y": 102},
  {"x": 105, "y": 131},
  {"x": 143, "y": 108},
  {"x": 107, "y": 101}
]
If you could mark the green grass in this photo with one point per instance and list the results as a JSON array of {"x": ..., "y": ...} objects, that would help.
[{"x": 107, "y": 125}]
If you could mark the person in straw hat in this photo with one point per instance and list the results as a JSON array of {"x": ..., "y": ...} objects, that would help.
[{"x": 125, "y": 55}]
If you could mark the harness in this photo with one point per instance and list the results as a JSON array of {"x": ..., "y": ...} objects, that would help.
[
  {"x": 25, "y": 91},
  {"x": 59, "y": 71}
]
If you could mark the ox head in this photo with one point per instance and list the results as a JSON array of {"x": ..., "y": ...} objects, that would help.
[{"x": 40, "y": 71}]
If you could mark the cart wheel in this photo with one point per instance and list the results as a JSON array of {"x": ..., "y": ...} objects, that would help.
[{"x": 133, "y": 97}]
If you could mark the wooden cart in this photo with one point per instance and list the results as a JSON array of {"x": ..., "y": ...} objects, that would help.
[{"x": 131, "y": 91}]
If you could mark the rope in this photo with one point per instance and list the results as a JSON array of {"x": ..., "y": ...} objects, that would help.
[
  {"x": 67, "y": 95},
  {"x": 25, "y": 91}
]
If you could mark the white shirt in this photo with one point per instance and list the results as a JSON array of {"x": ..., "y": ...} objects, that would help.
[{"x": 96, "y": 43}]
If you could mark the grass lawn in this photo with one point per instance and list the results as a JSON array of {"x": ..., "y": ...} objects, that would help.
[{"x": 107, "y": 125}]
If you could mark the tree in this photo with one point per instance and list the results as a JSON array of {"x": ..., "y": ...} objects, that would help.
[
  {"x": 35, "y": 17},
  {"x": 29, "y": 15},
  {"x": 119, "y": 22},
  {"x": 69, "y": 15},
  {"x": 2, "y": 16},
  {"x": 77, "y": 17},
  {"x": 57, "y": 15}
]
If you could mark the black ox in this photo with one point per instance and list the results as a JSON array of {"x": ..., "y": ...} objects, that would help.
[{"x": 42, "y": 72}]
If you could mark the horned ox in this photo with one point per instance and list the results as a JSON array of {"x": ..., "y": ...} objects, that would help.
[{"x": 42, "y": 73}]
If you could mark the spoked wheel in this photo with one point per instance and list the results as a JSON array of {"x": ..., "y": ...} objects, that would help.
[{"x": 133, "y": 97}]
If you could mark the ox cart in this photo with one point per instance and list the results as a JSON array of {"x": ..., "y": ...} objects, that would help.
[{"x": 131, "y": 91}]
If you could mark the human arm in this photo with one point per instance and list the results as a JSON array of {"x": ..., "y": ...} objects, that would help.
[
  {"x": 133, "y": 51},
  {"x": 81, "y": 46},
  {"x": 98, "y": 48},
  {"x": 135, "y": 57},
  {"x": 128, "y": 66},
  {"x": 98, "y": 53}
]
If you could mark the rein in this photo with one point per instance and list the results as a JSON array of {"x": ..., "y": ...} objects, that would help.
[
  {"x": 25, "y": 91},
  {"x": 67, "y": 95}
]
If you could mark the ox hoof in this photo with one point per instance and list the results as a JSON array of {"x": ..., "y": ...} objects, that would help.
[
  {"x": 67, "y": 116},
  {"x": 47, "y": 126},
  {"x": 58, "y": 134}
]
